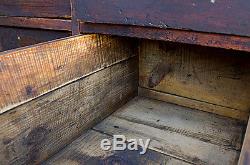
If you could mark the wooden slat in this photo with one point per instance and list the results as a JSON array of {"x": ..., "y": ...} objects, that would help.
[
  {"x": 189, "y": 122},
  {"x": 245, "y": 151},
  {"x": 87, "y": 150},
  {"x": 29, "y": 72},
  {"x": 36, "y": 130},
  {"x": 36, "y": 8},
  {"x": 213, "y": 76},
  {"x": 173, "y": 35},
  {"x": 175, "y": 137},
  {"x": 40, "y": 23},
  {"x": 12, "y": 38},
  {"x": 216, "y": 16}
]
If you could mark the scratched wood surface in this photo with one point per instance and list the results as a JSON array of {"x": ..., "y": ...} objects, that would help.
[
  {"x": 36, "y": 8},
  {"x": 36, "y": 130},
  {"x": 87, "y": 150},
  {"x": 245, "y": 151},
  {"x": 29, "y": 72},
  {"x": 12, "y": 38},
  {"x": 213, "y": 76},
  {"x": 177, "y": 131}
]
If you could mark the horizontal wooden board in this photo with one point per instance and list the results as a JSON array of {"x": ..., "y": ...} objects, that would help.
[
  {"x": 87, "y": 150},
  {"x": 173, "y": 35},
  {"x": 216, "y": 16},
  {"x": 173, "y": 131},
  {"x": 36, "y": 8},
  {"x": 204, "y": 126},
  {"x": 36, "y": 130},
  {"x": 38, "y": 23},
  {"x": 12, "y": 38},
  {"x": 29, "y": 72},
  {"x": 214, "y": 76}
]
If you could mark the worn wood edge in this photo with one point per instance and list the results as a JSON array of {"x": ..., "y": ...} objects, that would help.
[
  {"x": 195, "y": 104},
  {"x": 38, "y": 23},
  {"x": 245, "y": 150},
  {"x": 121, "y": 93},
  {"x": 225, "y": 41}
]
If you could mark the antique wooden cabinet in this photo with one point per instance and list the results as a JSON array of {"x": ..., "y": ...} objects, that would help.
[{"x": 75, "y": 72}]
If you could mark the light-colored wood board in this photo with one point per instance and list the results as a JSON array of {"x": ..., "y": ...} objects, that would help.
[
  {"x": 87, "y": 150},
  {"x": 29, "y": 72},
  {"x": 196, "y": 104},
  {"x": 36, "y": 130},
  {"x": 216, "y": 76},
  {"x": 204, "y": 126},
  {"x": 245, "y": 151},
  {"x": 170, "y": 143}
]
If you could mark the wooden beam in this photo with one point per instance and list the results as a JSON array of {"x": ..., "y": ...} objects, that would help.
[
  {"x": 212, "y": 16},
  {"x": 32, "y": 71},
  {"x": 36, "y": 8},
  {"x": 39, "y": 23},
  {"x": 38, "y": 129},
  {"x": 173, "y": 35}
]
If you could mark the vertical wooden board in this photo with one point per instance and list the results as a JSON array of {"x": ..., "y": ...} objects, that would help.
[
  {"x": 12, "y": 38},
  {"x": 29, "y": 72},
  {"x": 245, "y": 151},
  {"x": 36, "y": 130},
  {"x": 87, "y": 150},
  {"x": 209, "y": 75},
  {"x": 36, "y": 8}
]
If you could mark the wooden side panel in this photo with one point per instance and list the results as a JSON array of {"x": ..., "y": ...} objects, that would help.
[
  {"x": 218, "y": 16},
  {"x": 245, "y": 151},
  {"x": 38, "y": 129},
  {"x": 32, "y": 71},
  {"x": 36, "y": 8},
  {"x": 12, "y": 38},
  {"x": 213, "y": 76},
  {"x": 87, "y": 150}
]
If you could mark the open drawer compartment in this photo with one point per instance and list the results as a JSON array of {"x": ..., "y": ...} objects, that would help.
[{"x": 60, "y": 99}]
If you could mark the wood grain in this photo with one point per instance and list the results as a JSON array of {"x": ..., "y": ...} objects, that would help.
[
  {"x": 36, "y": 8},
  {"x": 214, "y": 76},
  {"x": 87, "y": 150},
  {"x": 32, "y": 71},
  {"x": 36, "y": 130},
  {"x": 173, "y": 131}
]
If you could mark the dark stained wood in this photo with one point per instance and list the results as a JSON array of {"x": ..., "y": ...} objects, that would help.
[
  {"x": 30, "y": 72},
  {"x": 214, "y": 76},
  {"x": 36, "y": 8},
  {"x": 75, "y": 27},
  {"x": 38, "y": 129},
  {"x": 39, "y": 23},
  {"x": 13, "y": 37},
  {"x": 216, "y": 16},
  {"x": 245, "y": 151},
  {"x": 86, "y": 150},
  {"x": 173, "y": 35}
]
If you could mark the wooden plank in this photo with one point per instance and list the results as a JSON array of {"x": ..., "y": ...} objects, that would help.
[
  {"x": 226, "y": 17},
  {"x": 214, "y": 76},
  {"x": 30, "y": 72},
  {"x": 245, "y": 151},
  {"x": 36, "y": 8},
  {"x": 87, "y": 150},
  {"x": 36, "y": 130},
  {"x": 171, "y": 143},
  {"x": 173, "y": 35},
  {"x": 204, "y": 126},
  {"x": 195, "y": 104},
  {"x": 39, "y": 23},
  {"x": 12, "y": 38}
]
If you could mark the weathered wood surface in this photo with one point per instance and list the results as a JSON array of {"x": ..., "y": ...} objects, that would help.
[
  {"x": 87, "y": 150},
  {"x": 245, "y": 151},
  {"x": 173, "y": 35},
  {"x": 173, "y": 131},
  {"x": 12, "y": 38},
  {"x": 29, "y": 72},
  {"x": 227, "y": 17},
  {"x": 36, "y": 130},
  {"x": 38, "y": 23},
  {"x": 208, "y": 75},
  {"x": 36, "y": 8}
]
